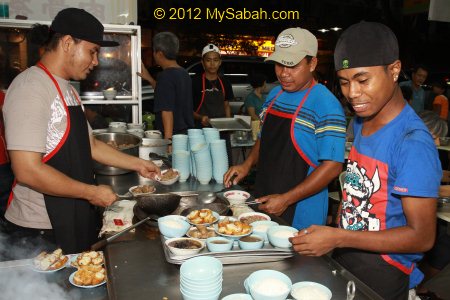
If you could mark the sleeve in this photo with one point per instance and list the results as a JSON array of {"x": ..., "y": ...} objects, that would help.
[
  {"x": 417, "y": 167},
  {"x": 250, "y": 100},
  {"x": 165, "y": 93},
  {"x": 196, "y": 91},
  {"x": 26, "y": 114},
  {"x": 229, "y": 95},
  {"x": 330, "y": 129}
]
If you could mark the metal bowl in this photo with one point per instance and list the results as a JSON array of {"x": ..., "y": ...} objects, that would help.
[
  {"x": 158, "y": 204},
  {"x": 120, "y": 139}
]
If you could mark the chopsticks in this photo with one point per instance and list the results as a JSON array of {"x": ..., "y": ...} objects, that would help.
[{"x": 245, "y": 203}]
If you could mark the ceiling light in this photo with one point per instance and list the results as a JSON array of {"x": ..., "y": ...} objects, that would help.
[
  {"x": 335, "y": 28},
  {"x": 323, "y": 30}
]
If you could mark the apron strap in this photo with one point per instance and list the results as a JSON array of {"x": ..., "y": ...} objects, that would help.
[{"x": 203, "y": 90}]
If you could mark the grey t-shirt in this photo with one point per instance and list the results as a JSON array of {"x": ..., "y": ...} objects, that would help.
[{"x": 35, "y": 120}]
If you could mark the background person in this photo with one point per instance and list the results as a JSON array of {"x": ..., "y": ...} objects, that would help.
[
  {"x": 388, "y": 212},
  {"x": 51, "y": 145},
  {"x": 211, "y": 93},
  {"x": 255, "y": 100},
  {"x": 440, "y": 101},
  {"x": 418, "y": 77},
  {"x": 301, "y": 145}
]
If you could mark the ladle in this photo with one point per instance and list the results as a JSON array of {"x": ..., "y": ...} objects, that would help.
[
  {"x": 102, "y": 243},
  {"x": 206, "y": 197}
]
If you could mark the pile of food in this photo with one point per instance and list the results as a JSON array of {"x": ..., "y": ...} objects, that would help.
[
  {"x": 89, "y": 275},
  {"x": 201, "y": 232},
  {"x": 91, "y": 258},
  {"x": 185, "y": 244},
  {"x": 143, "y": 189},
  {"x": 169, "y": 174},
  {"x": 119, "y": 146},
  {"x": 202, "y": 216},
  {"x": 50, "y": 261},
  {"x": 253, "y": 218},
  {"x": 229, "y": 227}
]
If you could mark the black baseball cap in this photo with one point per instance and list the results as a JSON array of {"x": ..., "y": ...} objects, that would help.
[
  {"x": 365, "y": 44},
  {"x": 80, "y": 24}
]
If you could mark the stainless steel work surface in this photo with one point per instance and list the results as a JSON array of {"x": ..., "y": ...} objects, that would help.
[{"x": 229, "y": 124}]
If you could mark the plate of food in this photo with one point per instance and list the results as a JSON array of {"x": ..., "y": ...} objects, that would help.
[
  {"x": 251, "y": 217},
  {"x": 142, "y": 190},
  {"x": 204, "y": 217},
  {"x": 49, "y": 262},
  {"x": 233, "y": 229},
  {"x": 169, "y": 176},
  {"x": 88, "y": 277},
  {"x": 201, "y": 232},
  {"x": 88, "y": 258}
]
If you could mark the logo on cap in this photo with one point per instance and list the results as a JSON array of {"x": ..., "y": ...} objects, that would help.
[
  {"x": 345, "y": 64},
  {"x": 285, "y": 41}
]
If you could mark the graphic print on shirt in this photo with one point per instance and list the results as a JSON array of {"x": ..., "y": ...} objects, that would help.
[{"x": 364, "y": 194}]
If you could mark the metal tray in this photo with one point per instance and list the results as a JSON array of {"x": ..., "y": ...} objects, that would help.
[
  {"x": 229, "y": 124},
  {"x": 235, "y": 256}
]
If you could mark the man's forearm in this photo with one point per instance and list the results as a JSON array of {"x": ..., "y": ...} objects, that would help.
[
  {"x": 167, "y": 120},
  {"x": 316, "y": 181}
]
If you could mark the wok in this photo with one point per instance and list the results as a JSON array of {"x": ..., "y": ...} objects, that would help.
[{"x": 158, "y": 204}]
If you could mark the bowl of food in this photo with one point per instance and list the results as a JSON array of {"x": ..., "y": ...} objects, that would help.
[
  {"x": 142, "y": 190},
  {"x": 232, "y": 229},
  {"x": 184, "y": 246},
  {"x": 169, "y": 176},
  {"x": 153, "y": 134},
  {"x": 173, "y": 226},
  {"x": 260, "y": 228},
  {"x": 158, "y": 204},
  {"x": 124, "y": 142},
  {"x": 309, "y": 290},
  {"x": 236, "y": 197},
  {"x": 251, "y": 217},
  {"x": 251, "y": 242},
  {"x": 109, "y": 94},
  {"x": 135, "y": 126},
  {"x": 269, "y": 285},
  {"x": 201, "y": 232},
  {"x": 279, "y": 236},
  {"x": 219, "y": 244},
  {"x": 204, "y": 217}
]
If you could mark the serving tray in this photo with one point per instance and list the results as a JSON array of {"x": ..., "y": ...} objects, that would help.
[
  {"x": 229, "y": 124},
  {"x": 234, "y": 256}
]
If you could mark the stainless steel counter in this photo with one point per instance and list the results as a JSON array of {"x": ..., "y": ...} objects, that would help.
[{"x": 137, "y": 268}]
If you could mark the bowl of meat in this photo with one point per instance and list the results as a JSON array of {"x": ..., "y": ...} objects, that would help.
[{"x": 124, "y": 142}]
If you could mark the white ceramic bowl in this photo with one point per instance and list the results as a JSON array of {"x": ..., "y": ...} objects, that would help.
[
  {"x": 260, "y": 228},
  {"x": 135, "y": 126},
  {"x": 136, "y": 132},
  {"x": 236, "y": 196},
  {"x": 170, "y": 181},
  {"x": 256, "y": 243},
  {"x": 257, "y": 215},
  {"x": 173, "y": 226},
  {"x": 135, "y": 194},
  {"x": 279, "y": 235},
  {"x": 309, "y": 290},
  {"x": 153, "y": 134},
  {"x": 219, "y": 244},
  {"x": 109, "y": 94},
  {"x": 184, "y": 252},
  {"x": 238, "y": 297}
]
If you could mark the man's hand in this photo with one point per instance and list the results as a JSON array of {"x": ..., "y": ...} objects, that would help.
[
  {"x": 240, "y": 171},
  {"x": 315, "y": 240},
  {"x": 205, "y": 121},
  {"x": 148, "y": 169},
  {"x": 101, "y": 195},
  {"x": 274, "y": 204}
]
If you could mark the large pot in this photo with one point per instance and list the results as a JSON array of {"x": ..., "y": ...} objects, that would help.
[
  {"x": 158, "y": 146},
  {"x": 119, "y": 139}
]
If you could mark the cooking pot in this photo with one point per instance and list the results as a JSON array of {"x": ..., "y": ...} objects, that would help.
[
  {"x": 120, "y": 139},
  {"x": 158, "y": 146}
]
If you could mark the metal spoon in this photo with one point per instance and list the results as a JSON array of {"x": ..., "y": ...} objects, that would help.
[{"x": 206, "y": 197}]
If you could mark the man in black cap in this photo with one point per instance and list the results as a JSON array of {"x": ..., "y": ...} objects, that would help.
[
  {"x": 388, "y": 213},
  {"x": 51, "y": 145}
]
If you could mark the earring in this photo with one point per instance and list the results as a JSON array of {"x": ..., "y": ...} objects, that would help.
[{"x": 395, "y": 77}]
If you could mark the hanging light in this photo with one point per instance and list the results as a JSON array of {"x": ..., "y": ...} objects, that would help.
[
  {"x": 323, "y": 30},
  {"x": 336, "y": 28}
]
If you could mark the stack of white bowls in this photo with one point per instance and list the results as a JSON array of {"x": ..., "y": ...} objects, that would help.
[
  {"x": 211, "y": 134},
  {"x": 195, "y": 137},
  {"x": 180, "y": 142},
  {"x": 203, "y": 162},
  {"x": 201, "y": 278},
  {"x": 219, "y": 159},
  {"x": 120, "y": 127}
]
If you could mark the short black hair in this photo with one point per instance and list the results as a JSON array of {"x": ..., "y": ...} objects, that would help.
[
  {"x": 257, "y": 80},
  {"x": 309, "y": 58},
  {"x": 420, "y": 66},
  {"x": 440, "y": 84}
]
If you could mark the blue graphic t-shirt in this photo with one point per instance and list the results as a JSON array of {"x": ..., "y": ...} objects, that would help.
[{"x": 398, "y": 160}]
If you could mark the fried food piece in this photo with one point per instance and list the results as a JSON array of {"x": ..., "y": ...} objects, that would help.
[
  {"x": 233, "y": 228},
  {"x": 202, "y": 216},
  {"x": 89, "y": 275},
  {"x": 50, "y": 261},
  {"x": 88, "y": 259}
]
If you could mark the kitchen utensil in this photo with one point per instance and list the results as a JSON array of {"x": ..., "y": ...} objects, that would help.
[
  {"x": 245, "y": 203},
  {"x": 206, "y": 197},
  {"x": 102, "y": 243},
  {"x": 351, "y": 290},
  {"x": 158, "y": 204}
]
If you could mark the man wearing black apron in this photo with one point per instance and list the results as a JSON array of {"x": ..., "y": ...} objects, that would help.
[
  {"x": 51, "y": 146},
  {"x": 301, "y": 146}
]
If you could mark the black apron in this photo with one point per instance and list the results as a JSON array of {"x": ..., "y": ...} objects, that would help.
[
  {"x": 212, "y": 102},
  {"x": 75, "y": 222},
  {"x": 280, "y": 166}
]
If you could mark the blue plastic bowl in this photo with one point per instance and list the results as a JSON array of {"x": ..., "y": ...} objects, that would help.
[
  {"x": 254, "y": 245},
  {"x": 200, "y": 268},
  {"x": 225, "y": 244},
  {"x": 238, "y": 297},
  {"x": 279, "y": 236},
  {"x": 264, "y": 278},
  {"x": 260, "y": 228},
  {"x": 173, "y": 226}
]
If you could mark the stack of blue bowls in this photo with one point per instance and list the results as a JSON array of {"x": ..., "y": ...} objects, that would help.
[
  {"x": 181, "y": 160},
  {"x": 211, "y": 134},
  {"x": 201, "y": 278},
  {"x": 195, "y": 137},
  {"x": 219, "y": 159},
  {"x": 203, "y": 162}
]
